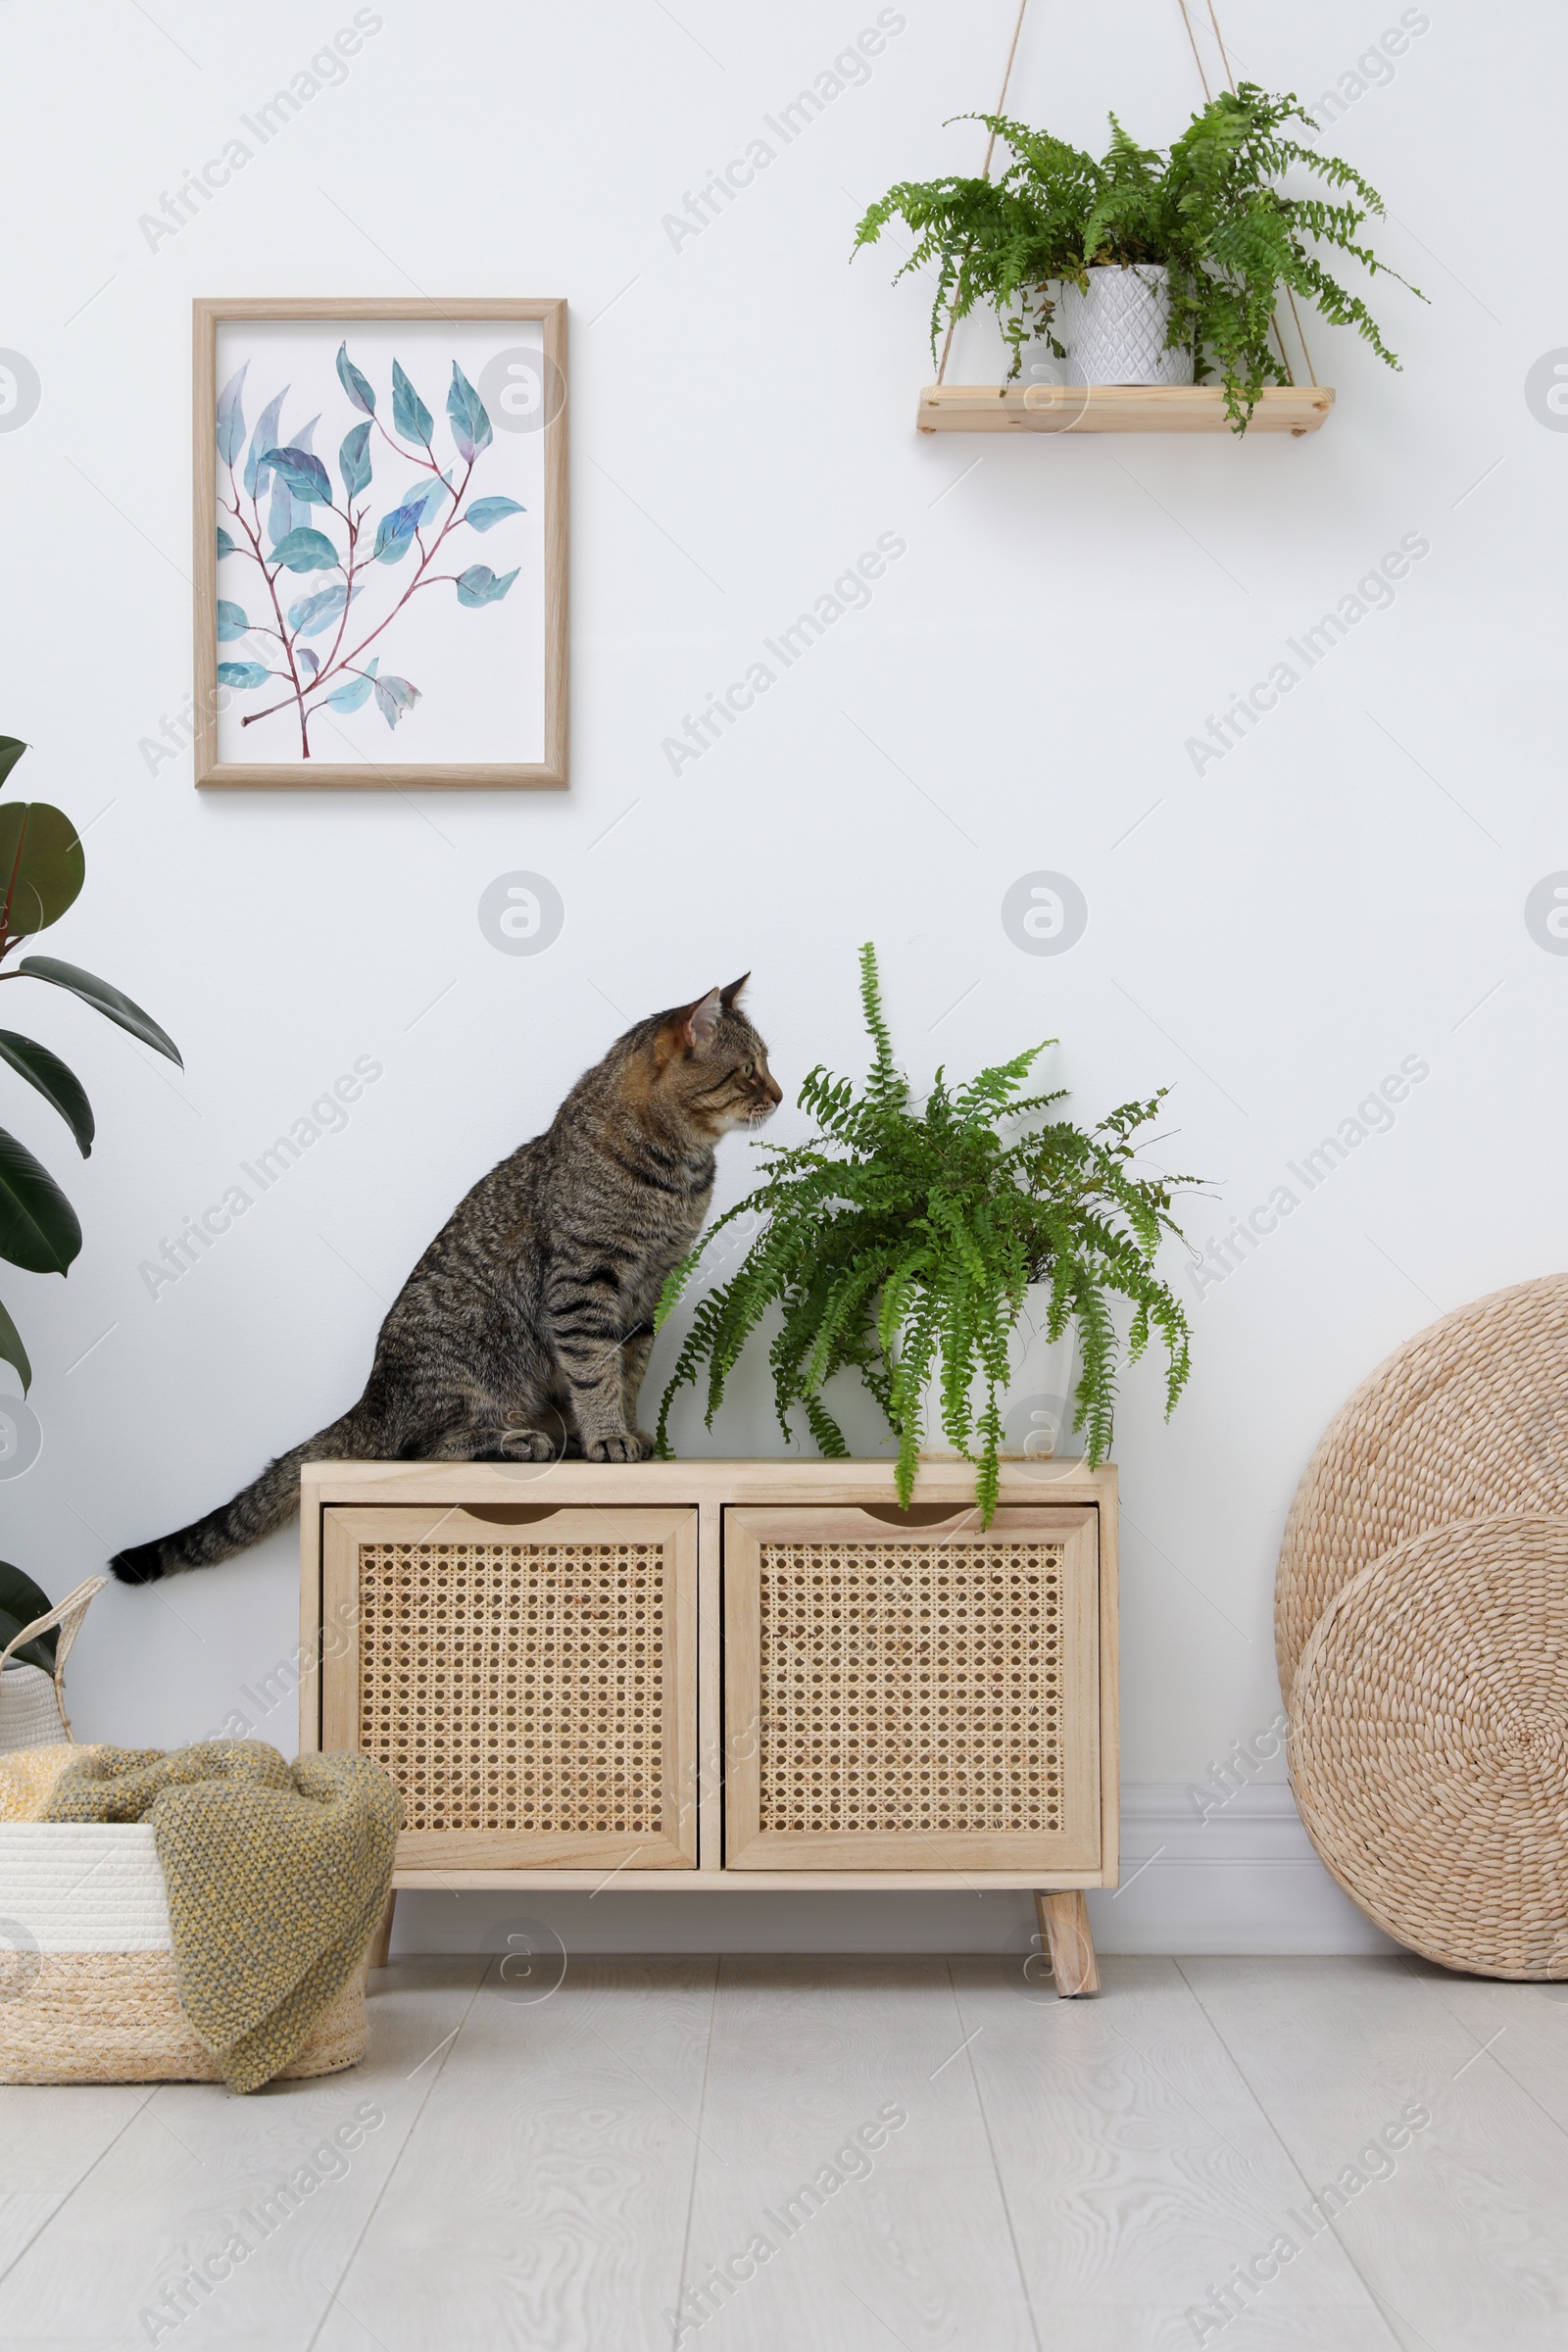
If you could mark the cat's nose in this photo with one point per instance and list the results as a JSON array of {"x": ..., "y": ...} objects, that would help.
[{"x": 776, "y": 1092}]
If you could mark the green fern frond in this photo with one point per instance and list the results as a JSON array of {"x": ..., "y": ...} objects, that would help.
[
  {"x": 900, "y": 1242},
  {"x": 1211, "y": 212}
]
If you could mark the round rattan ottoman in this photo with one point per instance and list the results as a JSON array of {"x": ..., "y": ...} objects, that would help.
[
  {"x": 1429, "y": 1744},
  {"x": 1468, "y": 1418}
]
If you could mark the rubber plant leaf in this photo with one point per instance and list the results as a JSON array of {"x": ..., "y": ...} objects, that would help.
[
  {"x": 12, "y": 1351},
  {"x": 38, "y": 1226},
  {"x": 57, "y": 1085},
  {"x": 11, "y": 748},
  {"x": 20, "y": 1602},
  {"x": 42, "y": 866},
  {"x": 103, "y": 999}
]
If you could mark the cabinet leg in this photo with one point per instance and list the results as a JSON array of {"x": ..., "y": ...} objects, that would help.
[
  {"x": 381, "y": 1941},
  {"x": 1064, "y": 1934}
]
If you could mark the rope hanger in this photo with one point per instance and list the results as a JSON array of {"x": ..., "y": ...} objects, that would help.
[{"x": 1219, "y": 42}]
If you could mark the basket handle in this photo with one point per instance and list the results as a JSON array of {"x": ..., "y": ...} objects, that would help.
[{"x": 68, "y": 1615}]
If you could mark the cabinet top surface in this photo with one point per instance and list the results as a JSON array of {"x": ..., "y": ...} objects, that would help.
[{"x": 623, "y": 1484}]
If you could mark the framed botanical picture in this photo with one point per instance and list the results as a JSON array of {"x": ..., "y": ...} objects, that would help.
[{"x": 380, "y": 522}]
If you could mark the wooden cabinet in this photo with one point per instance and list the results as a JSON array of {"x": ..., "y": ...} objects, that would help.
[{"x": 724, "y": 1675}]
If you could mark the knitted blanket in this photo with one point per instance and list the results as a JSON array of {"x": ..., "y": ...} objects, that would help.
[{"x": 276, "y": 1876}]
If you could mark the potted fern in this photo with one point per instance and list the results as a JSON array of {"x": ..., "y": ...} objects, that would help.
[
  {"x": 902, "y": 1240},
  {"x": 1154, "y": 267}
]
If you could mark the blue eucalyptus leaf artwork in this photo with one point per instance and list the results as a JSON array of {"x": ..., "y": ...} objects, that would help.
[
  {"x": 285, "y": 521},
  {"x": 357, "y": 387},
  {"x": 305, "y": 550},
  {"x": 231, "y": 417},
  {"x": 486, "y": 512},
  {"x": 356, "y": 690},
  {"x": 478, "y": 585},
  {"x": 305, "y": 475},
  {"x": 466, "y": 412},
  {"x": 280, "y": 512},
  {"x": 428, "y": 498},
  {"x": 353, "y": 461},
  {"x": 261, "y": 440},
  {"x": 394, "y": 534},
  {"x": 312, "y": 615},
  {"x": 393, "y": 696},
  {"x": 409, "y": 414}
]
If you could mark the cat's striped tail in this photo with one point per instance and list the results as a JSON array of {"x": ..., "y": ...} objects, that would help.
[{"x": 267, "y": 1503}]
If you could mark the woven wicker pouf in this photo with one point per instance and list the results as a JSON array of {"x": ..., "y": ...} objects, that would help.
[
  {"x": 1468, "y": 1418},
  {"x": 1429, "y": 1744}
]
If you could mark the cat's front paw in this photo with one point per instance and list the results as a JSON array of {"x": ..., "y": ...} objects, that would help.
[
  {"x": 630, "y": 1445},
  {"x": 527, "y": 1446}
]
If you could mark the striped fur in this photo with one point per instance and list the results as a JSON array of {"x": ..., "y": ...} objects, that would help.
[{"x": 524, "y": 1330}]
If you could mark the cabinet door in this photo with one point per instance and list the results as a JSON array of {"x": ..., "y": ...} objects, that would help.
[
  {"x": 908, "y": 1696},
  {"x": 527, "y": 1675}
]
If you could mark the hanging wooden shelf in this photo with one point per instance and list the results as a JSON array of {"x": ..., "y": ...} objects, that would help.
[{"x": 1114, "y": 408}]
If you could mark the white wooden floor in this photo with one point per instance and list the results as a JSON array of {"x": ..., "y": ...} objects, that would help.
[{"x": 1085, "y": 2175}]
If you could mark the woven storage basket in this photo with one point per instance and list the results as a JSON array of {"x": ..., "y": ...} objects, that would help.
[
  {"x": 1467, "y": 1419},
  {"x": 1429, "y": 1744},
  {"x": 87, "y": 1987}
]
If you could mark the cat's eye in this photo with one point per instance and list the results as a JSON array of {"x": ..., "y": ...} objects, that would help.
[{"x": 748, "y": 1069}]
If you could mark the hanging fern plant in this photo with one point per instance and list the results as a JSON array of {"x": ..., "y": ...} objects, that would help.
[
  {"x": 1211, "y": 213},
  {"x": 904, "y": 1236}
]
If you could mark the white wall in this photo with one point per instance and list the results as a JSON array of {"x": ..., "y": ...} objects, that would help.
[{"x": 1272, "y": 936}]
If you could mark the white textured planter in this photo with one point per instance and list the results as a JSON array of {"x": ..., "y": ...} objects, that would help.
[
  {"x": 1037, "y": 1407},
  {"x": 1115, "y": 333}
]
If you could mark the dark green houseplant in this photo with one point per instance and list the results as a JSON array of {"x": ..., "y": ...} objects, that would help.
[
  {"x": 21, "y": 1601},
  {"x": 906, "y": 1234},
  {"x": 1211, "y": 212},
  {"x": 41, "y": 871}
]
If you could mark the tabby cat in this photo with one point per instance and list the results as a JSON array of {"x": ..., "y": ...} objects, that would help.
[{"x": 524, "y": 1330}]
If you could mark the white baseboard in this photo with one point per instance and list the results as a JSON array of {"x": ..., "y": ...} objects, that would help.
[{"x": 1245, "y": 1880}]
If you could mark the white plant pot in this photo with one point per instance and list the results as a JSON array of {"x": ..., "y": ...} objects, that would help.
[
  {"x": 1038, "y": 1409},
  {"x": 1115, "y": 333}
]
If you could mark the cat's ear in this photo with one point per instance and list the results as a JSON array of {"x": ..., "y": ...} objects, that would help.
[
  {"x": 690, "y": 1029},
  {"x": 727, "y": 995}
]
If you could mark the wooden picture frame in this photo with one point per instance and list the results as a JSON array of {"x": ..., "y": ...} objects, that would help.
[{"x": 537, "y": 548}]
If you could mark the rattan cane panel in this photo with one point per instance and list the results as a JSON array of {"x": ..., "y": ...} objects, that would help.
[
  {"x": 516, "y": 1686},
  {"x": 914, "y": 1687}
]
